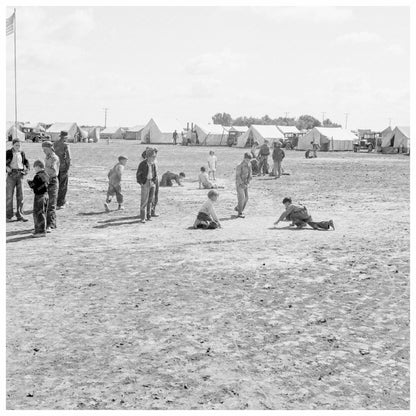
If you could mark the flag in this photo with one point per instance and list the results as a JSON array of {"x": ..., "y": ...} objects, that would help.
[{"x": 10, "y": 25}]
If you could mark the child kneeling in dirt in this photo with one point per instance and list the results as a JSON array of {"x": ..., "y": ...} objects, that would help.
[
  {"x": 114, "y": 183},
  {"x": 300, "y": 217},
  {"x": 207, "y": 218}
]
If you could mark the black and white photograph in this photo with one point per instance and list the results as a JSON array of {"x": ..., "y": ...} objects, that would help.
[{"x": 207, "y": 206}]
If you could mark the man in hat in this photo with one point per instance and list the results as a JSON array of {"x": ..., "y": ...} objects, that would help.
[
  {"x": 16, "y": 167},
  {"x": 52, "y": 170},
  {"x": 147, "y": 177},
  {"x": 242, "y": 180},
  {"x": 61, "y": 149}
]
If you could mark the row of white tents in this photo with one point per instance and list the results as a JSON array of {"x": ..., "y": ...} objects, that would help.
[{"x": 328, "y": 138}]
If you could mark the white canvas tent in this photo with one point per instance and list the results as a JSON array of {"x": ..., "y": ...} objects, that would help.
[
  {"x": 259, "y": 133},
  {"x": 93, "y": 133},
  {"x": 211, "y": 135},
  {"x": 72, "y": 129},
  {"x": 134, "y": 133},
  {"x": 113, "y": 132},
  {"x": 12, "y": 132},
  {"x": 402, "y": 138},
  {"x": 35, "y": 127},
  {"x": 289, "y": 131},
  {"x": 329, "y": 138},
  {"x": 160, "y": 132}
]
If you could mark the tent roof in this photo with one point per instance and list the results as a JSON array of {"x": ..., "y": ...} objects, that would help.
[
  {"x": 136, "y": 128},
  {"x": 58, "y": 127},
  {"x": 241, "y": 129},
  {"x": 288, "y": 129},
  {"x": 166, "y": 126},
  {"x": 111, "y": 130},
  {"x": 405, "y": 130},
  {"x": 211, "y": 128},
  {"x": 337, "y": 133},
  {"x": 268, "y": 131}
]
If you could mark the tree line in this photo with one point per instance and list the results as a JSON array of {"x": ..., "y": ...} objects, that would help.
[{"x": 303, "y": 122}]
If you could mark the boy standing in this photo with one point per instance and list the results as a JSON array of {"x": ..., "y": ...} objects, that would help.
[
  {"x": 39, "y": 185},
  {"x": 114, "y": 183},
  {"x": 52, "y": 170},
  {"x": 16, "y": 167},
  {"x": 146, "y": 176},
  {"x": 242, "y": 180},
  {"x": 61, "y": 149},
  {"x": 263, "y": 155},
  {"x": 278, "y": 156},
  {"x": 212, "y": 165}
]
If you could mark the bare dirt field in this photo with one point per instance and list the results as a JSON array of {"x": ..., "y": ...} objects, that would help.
[{"x": 108, "y": 313}]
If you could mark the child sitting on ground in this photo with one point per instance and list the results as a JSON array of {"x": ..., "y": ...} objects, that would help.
[
  {"x": 39, "y": 185},
  {"x": 204, "y": 182},
  {"x": 114, "y": 183},
  {"x": 300, "y": 217},
  {"x": 207, "y": 218}
]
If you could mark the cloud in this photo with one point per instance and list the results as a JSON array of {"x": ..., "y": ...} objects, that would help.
[
  {"x": 357, "y": 38},
  {"x": 305, "y": 14},
  {"x": 396, "y": 49},
  {"x": 210, "y": 63}
]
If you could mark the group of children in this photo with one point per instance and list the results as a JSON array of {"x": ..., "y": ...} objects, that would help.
[{"x": 147, "y": 177}]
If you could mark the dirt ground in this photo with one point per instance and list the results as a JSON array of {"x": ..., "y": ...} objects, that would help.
[{"x": 108, "y": 313}]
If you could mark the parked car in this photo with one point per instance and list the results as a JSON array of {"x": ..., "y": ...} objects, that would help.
[{"x": 37, "y": 137}]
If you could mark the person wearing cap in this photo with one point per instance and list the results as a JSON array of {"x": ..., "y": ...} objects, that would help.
[
  {"x": 155, "y": 198},
  {"x": 242, "y": 180},
  {"x": 52, "y": 170},
  {"x": 146, "y": 176},
  {"x": 114, "y": 183},
  {"x": 16, "y": 167},
  {"x": 61, "y": 149}
]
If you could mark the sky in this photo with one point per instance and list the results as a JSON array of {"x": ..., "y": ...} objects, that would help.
[{"x": 185, "y": 64}]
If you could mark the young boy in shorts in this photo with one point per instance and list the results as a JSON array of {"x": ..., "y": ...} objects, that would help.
[{"x": 114, "y": 183}]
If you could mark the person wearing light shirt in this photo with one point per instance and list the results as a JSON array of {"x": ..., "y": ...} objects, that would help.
[
  {"x": 207, "y": 217},
  {"x": 243, "y": 177},
  {"x": 16, "y": 167}
]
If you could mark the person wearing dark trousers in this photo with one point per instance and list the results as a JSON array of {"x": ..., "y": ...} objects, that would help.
[
  {"x": 263, "y": 155},
  {"x": 277, "y": 156},
  {"x": 243, "y": 177},
  {"x": 300, "y": 217},
  {"x": 155, "y": 198},
  {"x": 61, "y": 149},
  {"x": 39, "y": 185},
  {"x": 168, "y": 178},
  {"x": 16, "y": 167},
  {"x": 52, "y": 170},
  {"x": 146, "y": 176}
]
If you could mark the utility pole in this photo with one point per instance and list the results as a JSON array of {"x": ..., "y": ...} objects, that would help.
[
  {"x": 346, "y": 120},
  {"x": 323, "y": 118},
  {"x": 105, "y": 117},
  {"x": 286, "y": 113}
]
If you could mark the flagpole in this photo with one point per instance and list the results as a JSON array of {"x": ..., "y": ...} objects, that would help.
[{"x": 15, "y": 77}]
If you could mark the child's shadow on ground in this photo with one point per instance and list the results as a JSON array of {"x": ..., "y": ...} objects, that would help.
[
  {"x": 92, "y": 213},
  {"x": 290, "y": 228},
  {"x": 20, "y": 232},
  {"x": 17, "y": 239}
]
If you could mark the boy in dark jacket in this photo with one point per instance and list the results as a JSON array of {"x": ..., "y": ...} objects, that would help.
[
  {"x": 39, "y": 185},
  {"x": 16, "y": 167},
  {"x": 146, "y": 176}
]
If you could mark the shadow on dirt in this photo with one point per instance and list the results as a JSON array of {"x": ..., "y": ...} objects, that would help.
[
  {"x": 92, "y": 213},
  {"x": 115, "y": 224},
  {"x": 20, "y": 232},
  {"x": 17, "y": 239},
  {"x": 134, "y": 217}
]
